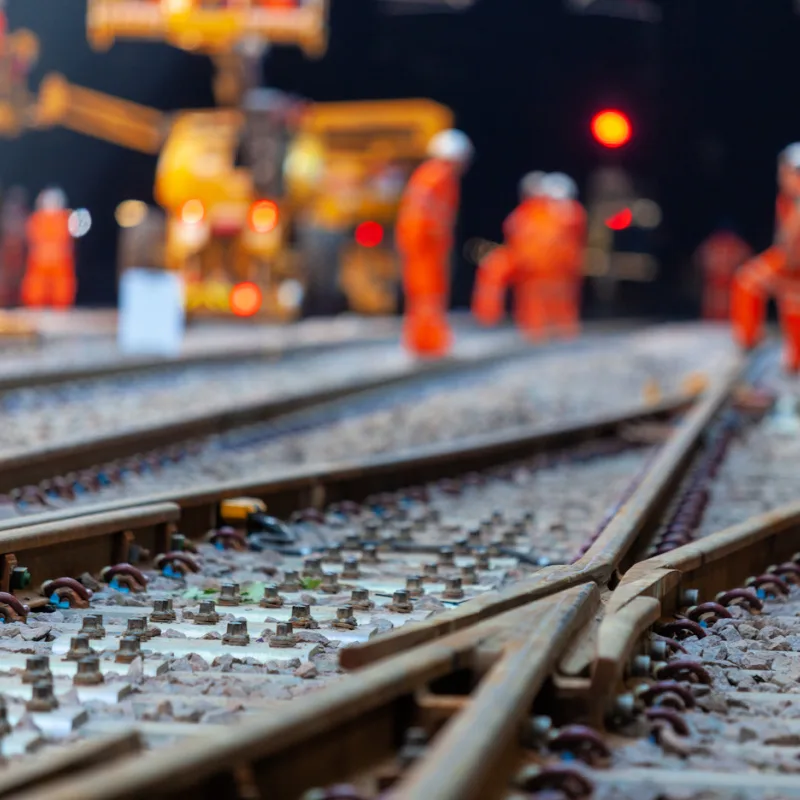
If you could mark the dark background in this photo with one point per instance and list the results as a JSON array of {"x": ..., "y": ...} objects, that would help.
[{"x": 711, "y": 91}]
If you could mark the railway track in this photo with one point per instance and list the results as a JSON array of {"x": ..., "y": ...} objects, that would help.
[{"x": 450, "y": 687}]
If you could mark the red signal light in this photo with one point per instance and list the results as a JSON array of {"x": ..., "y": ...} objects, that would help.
[
  {"x": 245, "y": 299},
  {"x": 264, "y": 216},
  {"x": 621, "y": 220},
  {"x": 369, "y": 234},
  {"x": 611, "y": 128}
]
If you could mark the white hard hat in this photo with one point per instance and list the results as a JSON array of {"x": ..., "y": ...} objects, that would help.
[
  {"x": 558, "y": 186},
  {"x": 531, "y": 184},
  {"x": 52, "y": 199},
  {"x": 451, "y": 145},
  {"x": 791, "y": 155}
]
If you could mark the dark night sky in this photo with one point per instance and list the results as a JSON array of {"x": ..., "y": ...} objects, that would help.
[{"x": 711, "y": 91}]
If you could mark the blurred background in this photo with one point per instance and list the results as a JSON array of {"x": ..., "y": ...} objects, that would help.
[{"x": 707, "y": 86}]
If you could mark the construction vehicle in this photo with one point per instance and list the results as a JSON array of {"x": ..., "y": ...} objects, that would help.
[{"x": 266, "y": 195}]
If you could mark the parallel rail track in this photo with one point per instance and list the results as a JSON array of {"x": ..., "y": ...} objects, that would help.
[{"x": 436, "y": 706}]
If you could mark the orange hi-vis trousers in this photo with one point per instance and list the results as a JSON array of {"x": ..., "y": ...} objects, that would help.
[
  {"x": 49, "y": 286},
  {"x": 767, "y": 275}
]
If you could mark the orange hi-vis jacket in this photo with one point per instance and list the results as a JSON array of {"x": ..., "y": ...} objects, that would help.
[
  {"x": 50, "y": 274},
  {"x": 424, "y": 228}
]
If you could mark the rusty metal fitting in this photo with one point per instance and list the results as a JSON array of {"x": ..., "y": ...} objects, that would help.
[
  {"x": 682, "y": 628},
  {"x": 92, "y": 626},
  {"x": 401, "y": 603},
  {"x": 414, "y": 744},
  {"x": 708, "y": 613},
  {"x": 659, "y": 650},
  {"x": 88, "y": 673},
  {"x": 640, "y": 666},
  {"x": 740, "y": 597},
  {"x": 330, "y": 583},
  {"x": 333, "y": 554},
  {"x": 359, "y": 599},
  {"x": 405, "y": 532},
  {"x": 689, "y": 597},
  {"x": 291, "y": 582},
  {"x": 352, "y": 541},
  {"x": 8, "y": 599},
  {"x": 668, "y": 716},
  {"x": 682, "y": 669},
  {"x": 48, "y": 587},
  {"x": 283, "y": 636},
  {"x": 129, "y": 649},
  {"x": 345, "y": 619},
  {"x": 178, "y": 562},
  {"x": 474, "y": 538},
  {"x": 414, "y": 586},
  {"x": 271, "y": 598},
  {"x": 671, "y": 645},
  {"x": 461, "y": 547},
  {"x": 495, "y": 548},
  {"x": 369, "y": 554},
  {"x": 350, "y": 571},
  {"x": 452, "y": 589},
  {"x": 78, "y": 648},
  {"x": 137, "y": 626},
  {"x": 663, "y": 693},
  {"x": 162, "y": 611},
  {"x": 227, "y": 537},
  {"x": 301, "y": 617},
  {"x": 430, "y": 573},
  {"x": 73, "y": 600},
  {"x": 482, "y": 559},
  {"x": 769, "y": 585},
  {"x": 469, "y": 575},
  {"x": 37, "y": 668},
  {"x": 387, "y": 542},
  {"x": 207, "y": 614},
  {"x": 229, "y": 595},
  {"x": 789, "y": 572},
  {"x": 446, "y": 557},
  {"x": 625, "y": 708},
  {"x": 42, "y": 697},
  {"x": 177, "y": 541},
  {"x": 584, "y": 742},
  {"x": 510, "y": 538},
  {"x": 312, "y": 568},
  {"x": 236, "y": 635},
  {"x": 567, "y": 781},
  {"x": 137, "y": 579}
]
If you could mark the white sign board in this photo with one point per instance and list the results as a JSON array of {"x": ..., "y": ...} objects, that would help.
[{"x": 152, "y": 319}]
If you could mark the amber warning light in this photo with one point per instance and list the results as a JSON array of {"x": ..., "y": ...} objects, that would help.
[
  {"x": 264, "y": 216},
  {"x": 611, "y": 128},
  {"x": 245, "y": 299}
]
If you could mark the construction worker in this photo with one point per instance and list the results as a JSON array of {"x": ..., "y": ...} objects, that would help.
[
  {"x": 424, "y": 234},
  {"x": 718, "y": 258},
  {"x": 50, "y": 275},
  {"x": 775, "y": 271},
  {"x": 542, "y": 257}
]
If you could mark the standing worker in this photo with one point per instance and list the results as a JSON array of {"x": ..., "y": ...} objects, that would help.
[
  {"x": 545, "y": 239},
  {"x": 50, "y": 276},
  {"x": 425, "y": 223},
  {"x": 718, "y": 258},
  {"x": 774, "y": 272},
  {"x": 13, "y": 219}
]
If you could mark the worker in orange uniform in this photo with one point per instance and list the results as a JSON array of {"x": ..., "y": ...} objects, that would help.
[
  {"x": 424, "y": 234},
  {"x": 774, "y": 272},
  {"x": 50, "y": 275},
  {"x": 545, "y": 238},
  {"x": 718, "y": 258}
]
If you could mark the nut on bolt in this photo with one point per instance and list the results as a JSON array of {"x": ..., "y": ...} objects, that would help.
[
  {"x": 93, "y": 626},
  {"x": 640, "y": 666},
  {"x": 414, "y": 586},
  {"x": 430, "y": 572},
  {"x": 301, "y": 617},
  {"x": 351, "y": 572},
  {"x": 37, "y": 668},
  {"x": 401, "y": 603},
  {"x": 137, "y": 626},
  {"x": 78, "y": 648},
  {"x": 482, "y": 559},
  {"x": 345, "y": 619},
  {"x": 271, "y": 598},
  {"x": 359, "y": 599},
  {"x": 690, "y": 597},
  {"x": 468, "y": 575},
  {"x": 88, "y": 673},
  {"x": 452, "y": 589},
  {"x": 369, "y": 554},
  {"x": 330, "y": 583},
  {"x": 207, "y": 615},
  {"x": 447, "y": 557},
  {"x": 236, "y": 635},
  {"x": 333, "y": 554},
  {"x": 129, "y": 650},
  {"x": 283, "y": 636},
  {"x": 162, "y": 611},
  {"x": 312, "y": 568},
  {"x": 42, "y": 697},
  {"x": 537, "y": 731},
  {"x": 229, "y": 595},
  {"x": 291, "y": 582}
]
